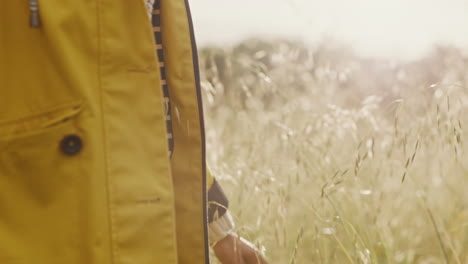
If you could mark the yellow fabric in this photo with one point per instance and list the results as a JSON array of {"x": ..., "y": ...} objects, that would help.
[
  {"x": 187, "y": 163},
  {"x": 90, "y": 70},
  {"x": 209, "y": 178}
]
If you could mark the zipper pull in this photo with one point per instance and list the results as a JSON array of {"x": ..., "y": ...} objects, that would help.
[{"x": 34, "y": 20}]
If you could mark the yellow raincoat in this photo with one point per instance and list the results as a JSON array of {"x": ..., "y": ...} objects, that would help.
[{"x": 84, "y": 173}]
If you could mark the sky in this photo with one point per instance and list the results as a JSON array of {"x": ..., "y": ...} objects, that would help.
[{"x": 405, "y": 29}]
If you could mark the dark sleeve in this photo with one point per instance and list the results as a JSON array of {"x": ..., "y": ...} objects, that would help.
[{"x": 217, "y": 202}]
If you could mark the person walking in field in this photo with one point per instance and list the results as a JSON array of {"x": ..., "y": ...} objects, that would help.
[{"x": 102, "y": 152}]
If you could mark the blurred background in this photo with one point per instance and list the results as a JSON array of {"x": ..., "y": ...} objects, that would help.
[
  {"x": 338, "y": 128},
  {"x": 402, "y": 28}
]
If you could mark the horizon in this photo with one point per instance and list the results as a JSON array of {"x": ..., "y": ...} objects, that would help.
[{"x": 395, "y": 29}]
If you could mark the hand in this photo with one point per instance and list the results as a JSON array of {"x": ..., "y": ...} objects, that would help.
[{"x": 236, "y": 250}]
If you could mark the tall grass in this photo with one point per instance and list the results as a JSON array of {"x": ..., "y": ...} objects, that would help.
[{"x": 332, "y": 158}]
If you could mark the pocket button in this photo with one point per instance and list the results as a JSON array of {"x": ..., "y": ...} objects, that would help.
[{"x": 71, "y": 145}]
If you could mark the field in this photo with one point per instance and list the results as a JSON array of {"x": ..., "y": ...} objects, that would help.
[{"x": 332, "y": 158}]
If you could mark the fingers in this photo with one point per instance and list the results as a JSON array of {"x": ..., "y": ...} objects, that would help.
[
  {"x": 229, "y": 251},
  {"x": 250, "y": 255},
  {"x": 235, "y": 250}
]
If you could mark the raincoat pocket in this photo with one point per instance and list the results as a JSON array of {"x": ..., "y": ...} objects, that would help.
[
  {"x": 40, "y": 168},
  {"x": 33, "y": 148},
  {"x": 12, "y": 131}
]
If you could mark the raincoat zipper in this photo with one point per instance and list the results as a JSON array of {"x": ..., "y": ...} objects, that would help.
[{"x": 34, "y": 20}]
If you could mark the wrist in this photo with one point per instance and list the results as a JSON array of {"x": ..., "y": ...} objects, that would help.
[{"x": 220, "y": 228}]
